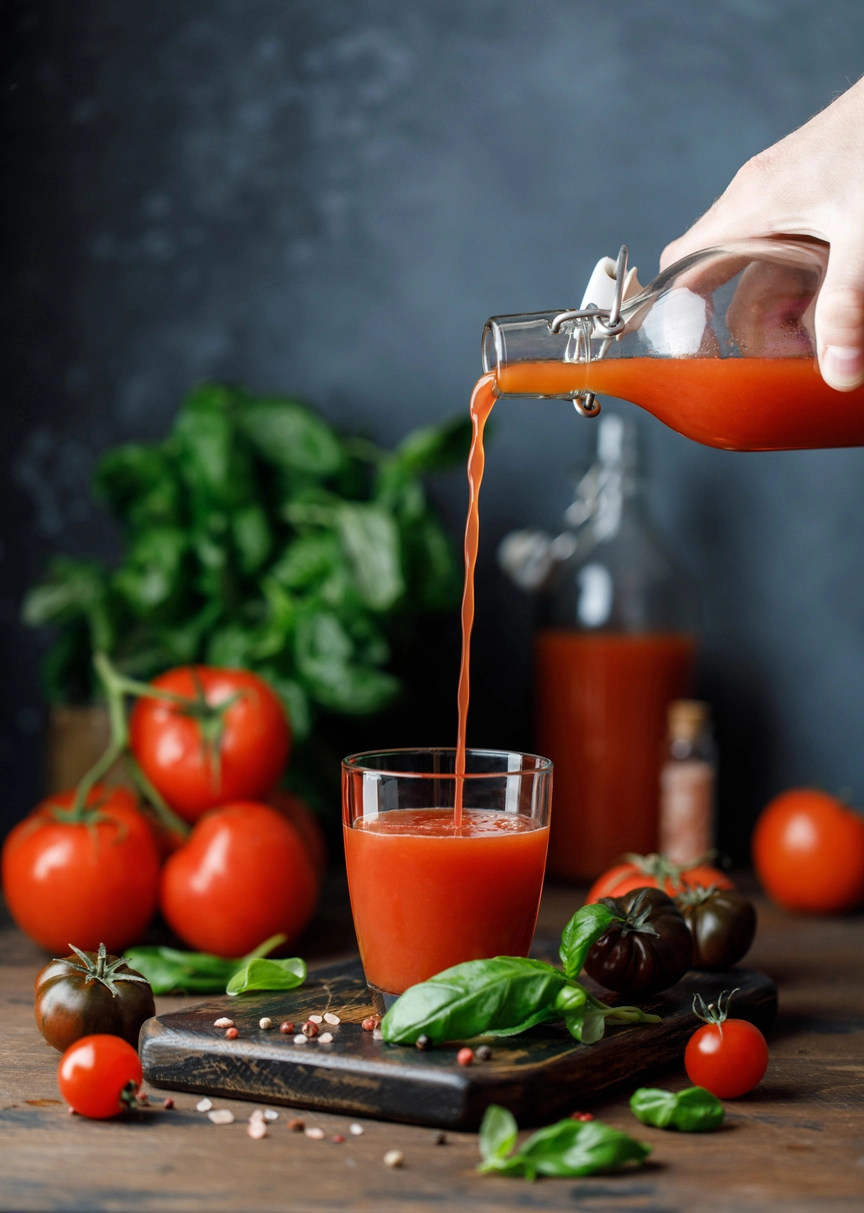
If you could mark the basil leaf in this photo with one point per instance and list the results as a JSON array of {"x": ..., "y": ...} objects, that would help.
[
  {"x": 574, "y": 1148},
  {"x": 568, "y": 1148},
  {"x": 288, "y": 435},
  {"x": 581, "y": 933},
  {"x": 498, "y": 1133},
  {"x": 170, "y": 970},
  {"x": 371, "y": 543},
  {"x": 693, "y": 1110},
  {"x": 479, "y": 996},
  {"x": 261, "y": 974}
]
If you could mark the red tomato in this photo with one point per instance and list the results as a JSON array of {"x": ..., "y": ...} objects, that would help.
[
  {"x": 236, "y": 754},
  {"x": 99, "y": 1076},
  {"x": 88, "y": 882},
  {"x": 243, "y": 876},
  {"x": 653, "y": 872},
  {"x": 726, "y": 1059},
  {"x": 808, "y": 852},
  {"x": 305, "y": 823}
]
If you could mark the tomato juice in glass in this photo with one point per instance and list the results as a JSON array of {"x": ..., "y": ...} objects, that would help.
[{"x": 428, "y": 893}]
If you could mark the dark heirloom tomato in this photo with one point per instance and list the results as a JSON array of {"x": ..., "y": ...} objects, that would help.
[
  {"x": 91, "y": 993},
  {"x": 647, "y": 950},
  {"x": 722, "y": 923}
]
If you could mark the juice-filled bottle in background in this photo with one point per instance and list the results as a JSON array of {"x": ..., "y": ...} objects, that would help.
[{"x": 616, "y": 646}]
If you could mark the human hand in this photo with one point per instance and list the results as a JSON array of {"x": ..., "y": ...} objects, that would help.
[{"x": 809, "y": 184}]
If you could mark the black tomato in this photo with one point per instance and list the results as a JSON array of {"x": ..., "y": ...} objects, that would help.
[
  {"x": 91, "y": 993},
  {"x": 722, "y": 924},
  {"x": 647, "y": 950}
]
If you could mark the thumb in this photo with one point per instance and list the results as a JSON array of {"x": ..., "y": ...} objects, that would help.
[{"x": 840, "y": 318}]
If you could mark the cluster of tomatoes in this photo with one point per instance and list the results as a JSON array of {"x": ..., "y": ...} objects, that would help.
[{"x": 214, "y": 748}]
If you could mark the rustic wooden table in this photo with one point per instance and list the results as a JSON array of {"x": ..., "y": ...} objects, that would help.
[{"x": 796, "y": 1143}]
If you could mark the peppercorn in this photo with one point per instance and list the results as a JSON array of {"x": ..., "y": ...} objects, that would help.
[
  {"x": 465, "y": 1057},
  {"x": 309, "y": 1028},
  {"x": 423, "y": 1043},
  {"x": 370, "y": 1023},
  {"x": 483, "y": 1053},
  {"x": 296, "y": 1125},
  {"x": 231, "y": 1033},
  {"x": 286, "y": 1028},
  {"x": 583, "y": 1116}
]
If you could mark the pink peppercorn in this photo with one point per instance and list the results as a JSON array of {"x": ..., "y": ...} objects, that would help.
[
  {"x": 583, "y": 1116},
  {"x": 287, "y": 1028},
  {"x": 337, "y": 1138},
  {"x": 231, "y": 1033},
  {"x": 370, "y": 1023},
  {"x": 309, "y": 1028},
  {"x": 168, "y": 1103},
  {"x": 465, "y": 1057}
]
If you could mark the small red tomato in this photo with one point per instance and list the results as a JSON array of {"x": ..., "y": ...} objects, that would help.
[
  {"x": 99, "y": 1076},
  {"x": 84, "y": 881},
  {"x": 808, "y": 852},
  {"x": 727, "y": 1057},
  {"x": 305, "y": 823},
  {"x": 655, "y": 872},
  {"x": 244, "y": 875},
  {"x": 229, "y": 741}
]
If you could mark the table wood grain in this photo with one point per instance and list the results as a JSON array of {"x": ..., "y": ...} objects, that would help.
[{"x": 796, "y": 1143}]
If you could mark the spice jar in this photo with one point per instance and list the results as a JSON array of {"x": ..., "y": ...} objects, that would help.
[{"x": 687, "y": 783}]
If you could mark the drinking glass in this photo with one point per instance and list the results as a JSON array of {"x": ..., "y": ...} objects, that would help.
[{"x": 426, "y": 891}]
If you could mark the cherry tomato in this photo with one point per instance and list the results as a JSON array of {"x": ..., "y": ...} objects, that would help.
[
  {"x": 654, "y": 872},
  {"x": 808, "y": 852},
  {"x": 84, "y": 882},
  {"x": 727, "y": 1059},
  {"x": 99, "y": 1076},
  {"x": 305, "y": 823},
  {"x": 200, "y": 756},
  {"x": 244, "y": 875}
]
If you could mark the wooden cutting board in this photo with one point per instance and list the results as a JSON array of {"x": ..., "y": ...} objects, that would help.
[{"x": 538, "y": 1076}]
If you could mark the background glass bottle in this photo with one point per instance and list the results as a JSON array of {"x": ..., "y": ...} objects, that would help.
[{"x": 616, "y": 645}]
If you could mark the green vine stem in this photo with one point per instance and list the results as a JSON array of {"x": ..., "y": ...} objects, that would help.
[{"x": 117, "y": 687}]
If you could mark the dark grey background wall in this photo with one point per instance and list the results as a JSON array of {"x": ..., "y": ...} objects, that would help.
[{"x": 330, "y": 198}]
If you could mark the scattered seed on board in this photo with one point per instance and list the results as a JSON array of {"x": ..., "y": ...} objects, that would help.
[
  {"x": 221, "y": 1116},
  {"x": 465, "y": 1056},
  {"x": 296, "y": 1125},
  {"x": 394, "y": 1158},
  {"x": 316, "y": 1133},
  {"x": 204, "y": 1105},
  {"x": 583, "y": 1116},
  {"x": 377, "y": 1034},
  {"x": 271, "y": 1114},
  {"x": 356, "y": 1129},
  {"x": 265, "y": 1022},
  {"x": 231, "y": 1033},
  {"x": 370, "y": 1023},
  {"x": 287, "y": 1027},
  {"x": 337, "y": 1138},
  {"x": 223, "y": 1022},
  {"x": 310, "y": 1028},
  {"x": 316, "y": 1018},
  {"x": 423, "y": 1042},
  {"x": 168, "y": 1103},
  {"x": 143, "y": 1101},
  {"x": 325, "y": 1038},
  {"x": 440, "y": 1139},
  {"x": 329, "y": 1017},
  {"x": 300, "y": 1039},
  {"x": 256, "y": 1129},
  {"x": 484, "y": 1053}
]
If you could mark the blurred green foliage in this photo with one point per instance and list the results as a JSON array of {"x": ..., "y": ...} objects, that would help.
[{"x": 258, "y": 536}]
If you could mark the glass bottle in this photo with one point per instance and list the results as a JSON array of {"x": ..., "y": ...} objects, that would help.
[
  {"x": 721, "y": 347},
  {"x": 687, "y": 783},
  {"x": 616, "y": 646}
]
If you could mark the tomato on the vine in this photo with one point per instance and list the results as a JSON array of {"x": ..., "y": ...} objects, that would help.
[
  {"x": 808, "y": 852},
  {"x": 655, "y": 872},
  {"x": 727, "y": 1057},
  {"x": 245, "y": 874},
  {"x": 84, "y": 878},
  {"x": 99, "y": 1076},
  {"x": 226, "y": 738}
]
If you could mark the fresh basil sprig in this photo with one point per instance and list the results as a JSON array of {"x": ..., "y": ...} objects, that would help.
[
  {"x": 261, "y": 974},
  {"x": 693, "y": 1110},
  {"x": 568, "y": 1148},
  {"x": 509, "y": 994},
  {"x": 170, "y": 970}
]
